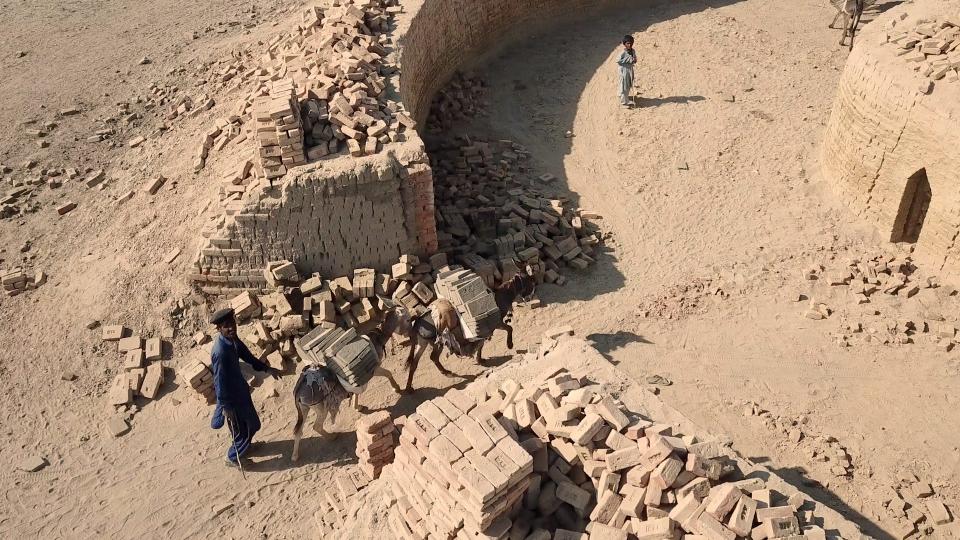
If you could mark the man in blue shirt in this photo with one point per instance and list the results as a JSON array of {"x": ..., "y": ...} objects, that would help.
[{"x": 234, "y": 403}]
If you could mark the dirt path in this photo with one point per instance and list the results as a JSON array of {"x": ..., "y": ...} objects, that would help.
[{"x": 714, "y": 177}]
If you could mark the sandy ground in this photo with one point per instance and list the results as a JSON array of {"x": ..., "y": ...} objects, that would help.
[{"x": 711, "y": 184}]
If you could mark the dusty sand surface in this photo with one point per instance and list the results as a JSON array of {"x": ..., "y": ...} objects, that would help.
[{"x": 709, "y": 190}]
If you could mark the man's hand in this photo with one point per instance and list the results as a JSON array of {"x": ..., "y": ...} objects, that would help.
[{"x": 274, "y": 372}]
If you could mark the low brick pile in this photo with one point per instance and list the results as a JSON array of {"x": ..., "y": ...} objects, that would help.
[
  {"x": 376, "y": 440},
  {"x": 272, "y": 324},
  {"x": 495, "y": 217},
  {"x": 462, "y": 98},
  {"x": 561, "y": 459},
  {"x": 931, "y": 46},
  {"x": 871, "y": 283},
  {"x": 140, "y": 373},
  {"x": 458, "y": 471},
  {"x": 18, "y": 280}
]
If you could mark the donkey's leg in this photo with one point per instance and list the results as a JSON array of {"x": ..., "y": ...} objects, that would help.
[
  {"x": 384, "y": 372},
  {"x": 833, "y": 23},
  {"x": 416, "y": 351},
  {"x": 298, "y": 432},
  {"x": 435, "y": 358},
  {"x": 412, "y": 358},
  {"x": 321, "y": 417},
  {"x": 854, "y": 22},
  {"x": 509, "y": 330},
  {"x": 479, "y": 357},
  {"x": 355, "y": 401},
  {"x": 846, "y": 28}
]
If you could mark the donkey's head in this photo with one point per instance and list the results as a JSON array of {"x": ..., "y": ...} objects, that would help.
[
  {"x": 396, "y": 318},
  {"x": 521, "y": 286}
]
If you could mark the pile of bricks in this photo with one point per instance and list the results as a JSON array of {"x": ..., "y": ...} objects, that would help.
[
  {"x": 141, "y": 371},
  {"x": 347, "y": 103},
  {"x": 560, "y": 458},
  {"x": 347, "y": 301},
  {"x": 333, "y": 69},
  {"x": 17, "y": 201},
  {"x": 376, "y": 440},
  {"x": 495, "y": 217},
  {"x": 338, "y": 505},
  {"x": 872, "y": 280},
  {"x": 931, "y": 46},
  {"x": 457, "y": 472},
  {"x": 279, "y": 129},
  {"x": 18, "y": 280},
  {"x": 461, "y": 99},
  {"x": 914, "y": 509}
]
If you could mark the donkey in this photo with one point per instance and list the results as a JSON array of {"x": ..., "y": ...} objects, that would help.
[
  {"x": 851, "y": 11},
  {"x": 318, "y": 388},
  {"x": 442, "y": 328}
]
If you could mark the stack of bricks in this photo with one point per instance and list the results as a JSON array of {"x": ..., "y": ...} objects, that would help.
[
  {"x": 352, "y": 358},
  {"x": 476, "y": 304},
  {"x": 279, "y": 129},
  {"x": 458, "y": 472},
  {"x": 591, "y": 469},
  {"x": 376, "y": 439},
  {"x": 18, "y": 280},
  {"x": 200, "y": 378},
  {"x": 931, "y": 46}
]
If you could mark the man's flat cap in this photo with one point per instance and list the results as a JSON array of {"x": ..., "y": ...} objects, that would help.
[{"x": 221, "y": 315}]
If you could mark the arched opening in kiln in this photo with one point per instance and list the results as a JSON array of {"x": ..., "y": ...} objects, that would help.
[{"x": 913, "y": 208}]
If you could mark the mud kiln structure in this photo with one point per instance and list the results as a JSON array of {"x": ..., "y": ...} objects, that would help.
[{"x": 892, "y": 147}]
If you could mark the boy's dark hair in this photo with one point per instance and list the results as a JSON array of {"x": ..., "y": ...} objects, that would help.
[{"x": 627, "y": 39}]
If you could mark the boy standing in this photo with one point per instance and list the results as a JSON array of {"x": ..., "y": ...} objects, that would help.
[{"x": 626, "y": 61}]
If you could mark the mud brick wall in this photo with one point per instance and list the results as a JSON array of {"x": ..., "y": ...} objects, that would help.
[
  {"x": 326, "y": 222},
  {"x": 884, "y": 129},
  {"x": 420, "y": 210},
  {"x": 445, "y": 35}
]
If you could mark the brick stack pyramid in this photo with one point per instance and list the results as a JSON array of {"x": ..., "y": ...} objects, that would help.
[{"x": 560, "y": 458}]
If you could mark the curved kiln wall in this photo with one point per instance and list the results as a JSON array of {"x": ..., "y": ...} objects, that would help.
[{"x": 446, "y": 34}]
